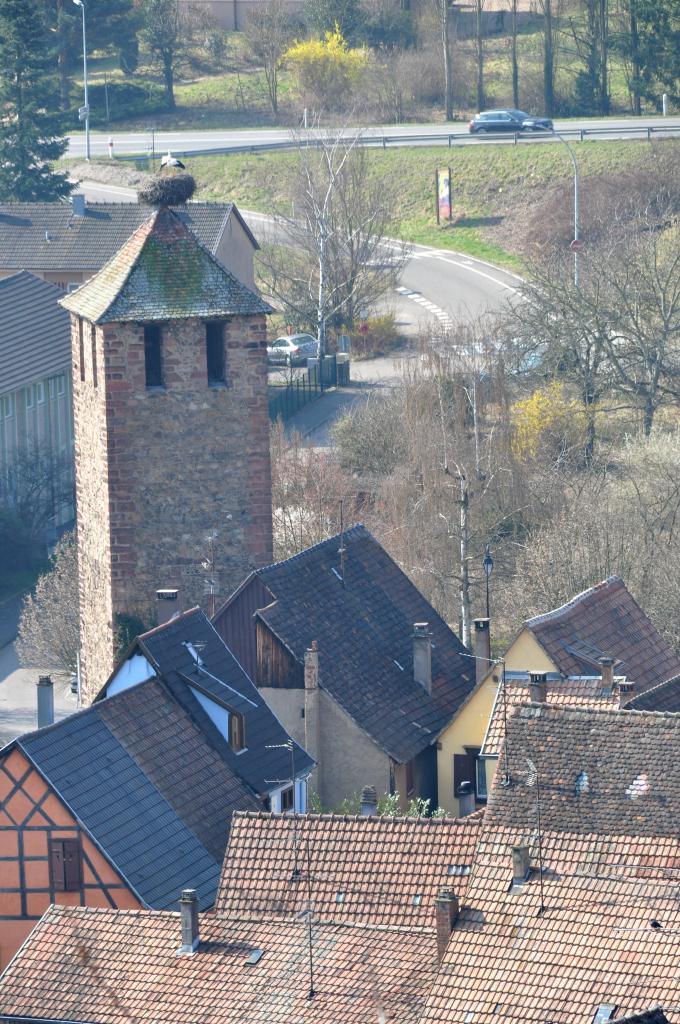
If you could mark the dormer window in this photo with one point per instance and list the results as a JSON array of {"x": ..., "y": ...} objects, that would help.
[
  {"x": 237, "y": 732},
  {"x": 194, "y": 653}
]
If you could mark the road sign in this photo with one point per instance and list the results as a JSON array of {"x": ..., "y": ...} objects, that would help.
[
  {"x": 577, "y": 245},
  {"x": 83, "y": 112}
]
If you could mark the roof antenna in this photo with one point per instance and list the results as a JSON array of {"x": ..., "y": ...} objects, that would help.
[
  {"x": 342, "y": 550},
  {"x": 312, "y": 993}
]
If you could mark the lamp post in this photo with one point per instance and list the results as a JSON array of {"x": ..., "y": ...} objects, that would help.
[
  {"x": 576, "y": 244},
  {"x": 488, "y": 569},
  {"x": 81, "y": 4}
]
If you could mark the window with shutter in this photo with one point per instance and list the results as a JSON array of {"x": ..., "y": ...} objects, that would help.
[
  {"x": 237, "y": 737},
  {"x": 66, "y": 864}
]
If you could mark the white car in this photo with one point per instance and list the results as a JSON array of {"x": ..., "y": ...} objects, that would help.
[{"x": 293, "y": 349}]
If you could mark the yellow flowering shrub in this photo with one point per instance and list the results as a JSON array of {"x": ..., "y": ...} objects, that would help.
[
  {"x": 327, "y": 70},
  {"x": 547, "y": 420}
]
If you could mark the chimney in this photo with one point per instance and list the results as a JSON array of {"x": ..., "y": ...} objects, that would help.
[
  {"x": 521, "y": 864},
  {"x": 466, "y": 799},
  {"x": 446, "y": 912},
  {"x": 538, "y": 687},
  {"x": 312, "y": 667},
  {"x": 422, "y": 655},
  {"x": 607, "y": 671},
  {"x": 369, "y": 802},
  {"x": 482, "y": 648},
  {"x": 78, "y": 200},
  {"x": 167, "y": 605},
  {"x": 45, "y": 701},
  {"x": 188, "y": 908}
]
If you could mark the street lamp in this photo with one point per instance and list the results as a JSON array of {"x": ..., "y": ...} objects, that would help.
[
  {"x": 488, "y": 569},
  {"x": 576, "y": 244},
  {"x": 86, "y": 108}
]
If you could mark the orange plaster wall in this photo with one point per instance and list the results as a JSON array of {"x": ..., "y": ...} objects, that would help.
[{"x": 55, "y": 822}]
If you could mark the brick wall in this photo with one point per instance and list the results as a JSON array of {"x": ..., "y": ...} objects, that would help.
[{"x": 160, "y": 469}]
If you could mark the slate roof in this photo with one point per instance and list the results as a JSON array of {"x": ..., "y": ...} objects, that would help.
[
  {"x": 162, "y": 272},
  {"x": 364, "y": 870},
  {"x": 364, "y": 630},
  {"x": 222, "y": 678},
  {"x": 609, "y": 931},
  {"x": 111, "y": 967},
  {"x": 664, "y": 697},
  {"x": 86, "y": 243},
  {"x": 35, "y": 339},
  {"x": 605, "y": 621},
  {"x": 566, "y": 693},
  {"x": 148, "y": 787},
  {"x": 655, "y": 1016}
]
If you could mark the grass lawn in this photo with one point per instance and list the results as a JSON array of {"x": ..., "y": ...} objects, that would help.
[{"x": 488, "y": 183}]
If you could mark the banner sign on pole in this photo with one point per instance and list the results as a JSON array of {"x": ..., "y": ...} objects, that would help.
[{"x": 443, "y": 187}]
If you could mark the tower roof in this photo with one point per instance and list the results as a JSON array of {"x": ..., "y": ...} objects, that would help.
[{"x": 162, "y": 272}]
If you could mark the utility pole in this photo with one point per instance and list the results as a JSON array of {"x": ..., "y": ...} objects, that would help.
[{"x": 86, "y": 108}]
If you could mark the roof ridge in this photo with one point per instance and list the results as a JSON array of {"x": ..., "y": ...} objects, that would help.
[
  {"x": 175, "y": 618},
  {"x": 354, "y": 529},
  {"x": 332, "y": 816},
  {"x": 572, "y": 602},
  {"x": 618, "y": 712}
]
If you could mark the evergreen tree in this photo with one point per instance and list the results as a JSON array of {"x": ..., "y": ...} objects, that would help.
[{"x": 30, "y": 128}]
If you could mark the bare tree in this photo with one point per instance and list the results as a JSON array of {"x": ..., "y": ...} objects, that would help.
[
  {"x": 549, "y": 10},
  {"x": 36, "y": 485},
  {"x": 441, "y": 10},
  {"x": 331, "y": 256},
  {"x": 164, "y": 32},
  {"x": 268, "y": 31},
  {"x": 479, "y": 49},
  {"x": 513, "y": 53},
  {"x": 49, "y": 625}
]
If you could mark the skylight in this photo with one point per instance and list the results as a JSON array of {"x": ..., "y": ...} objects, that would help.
[
  {"x": 194, "y": 653},
  {"x": 254, "y": 957},
  {"x": 417, "y": 900},
  {"x": 605, "y": 1011},
  {"x": 638, "y": 787},
  {"x": 339, "y": 897},
  {"x": 582, "y": 785},
  {"x": 459, "y": 869}
]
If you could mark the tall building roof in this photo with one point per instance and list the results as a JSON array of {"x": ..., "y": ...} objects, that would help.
[
  {"x": 162, "y": 272},
  {"x": 605, "y": 621},
  {"x": 362, "y": 613},
  {"x": 663, "y": 697},
  {"x": 363, "y": 870},
  {"x": 148, "y": 786},
  {"x": 50, "y": 237},
  {"x": 35, "y": 339}
]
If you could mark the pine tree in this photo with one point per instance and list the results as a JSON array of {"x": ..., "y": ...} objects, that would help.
[{"x": 30, "y": 126}]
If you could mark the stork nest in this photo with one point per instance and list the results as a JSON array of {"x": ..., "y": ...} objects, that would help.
[{"x": 167, "y": 190}]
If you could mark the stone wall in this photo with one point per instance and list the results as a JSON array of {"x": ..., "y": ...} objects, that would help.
[{"x": 161, "y": 469}]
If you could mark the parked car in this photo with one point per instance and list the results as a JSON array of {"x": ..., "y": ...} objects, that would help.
[
  {"x": 508, "y": 121},
  {"x": 293, "y": 349}
]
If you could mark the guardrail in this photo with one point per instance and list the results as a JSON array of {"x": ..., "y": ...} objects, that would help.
[{"x": 450, "y": 139}]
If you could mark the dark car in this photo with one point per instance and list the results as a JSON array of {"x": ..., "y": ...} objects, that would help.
[{"x": 508, "y": 121}]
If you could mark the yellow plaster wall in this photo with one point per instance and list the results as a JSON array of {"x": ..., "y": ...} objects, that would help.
[
  {"x": 526, "y": 655},
  {"x": 466, "y": 730}
]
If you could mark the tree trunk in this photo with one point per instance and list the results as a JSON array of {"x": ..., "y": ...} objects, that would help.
[
  {"x": 635, "y": 58},
  {"x": 604, "y": 57},
  {"x": 515, "y": 65},
  {"x": 169, "y": 80},
  {"x": 321, "y": 300},
  {"x": 446, "y": 47},
  {"x": 548, "y": 60},
  {"x": 464, "y": 569},
  {"x": 648, "y": 421},
  {"x": 479, "y": 39}
]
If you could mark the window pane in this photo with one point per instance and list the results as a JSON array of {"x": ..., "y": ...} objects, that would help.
[
  {"x": 287, "y": 799},
  {"x": 152, "y": 356},
  {"x": 214, "y": 341},
  {"x": 481, "y": 779}
]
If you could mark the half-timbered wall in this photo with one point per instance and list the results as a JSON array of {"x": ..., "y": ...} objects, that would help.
[{"x": 36, "y": 829}]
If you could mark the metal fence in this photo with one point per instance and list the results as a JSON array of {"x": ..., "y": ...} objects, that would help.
[{"x": 288, "y": 398}]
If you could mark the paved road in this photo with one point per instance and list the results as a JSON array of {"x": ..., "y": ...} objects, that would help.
[
  {"x": 199, "y": 141},
  {"x": 18, "y": 699}
]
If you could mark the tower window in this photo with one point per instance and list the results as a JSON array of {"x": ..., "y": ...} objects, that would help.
[
  {"x": 214, "y": 345},
  {"x": 152, "y": 356},
  {"x": 81, "y": 344},
  {"x": 93, "y": 338},
  {"x": 237, "y": 737}
]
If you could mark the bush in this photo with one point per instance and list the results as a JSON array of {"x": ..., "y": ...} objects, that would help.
[
  {"x": 327, "y": 71},
  {"x": 378, "y": 337},
  {"x": 167, "y": 190},
  {"x": 126, "y": 100}
]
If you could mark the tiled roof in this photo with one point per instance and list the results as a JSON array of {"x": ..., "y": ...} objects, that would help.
[
  {"x": 561, "y": 693},
  {"x": 148, "y": 786},
  {"x": 162, "y": 272},
  {"x": 664, "y": 697},
  {"x": 35, "y": 339},
  {"x": 48, "y": 237},
  {"x": 112, "y": 967},
  {"x": 605, "y": 621},
  {"x": 370, "y": 870},
  {"x": 609, "y": 930},
  {"x": 364, "y": 630},
  {"x": 655, "y": 1016},
  {"x": 221, "y": 677}
]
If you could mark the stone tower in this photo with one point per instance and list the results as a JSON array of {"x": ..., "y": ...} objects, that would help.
[{"x": 171, "y": 432}]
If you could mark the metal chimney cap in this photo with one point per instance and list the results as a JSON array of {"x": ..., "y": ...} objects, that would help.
[
  {"x": 189, "y": 896},
  {"x": 421, "y": 629},
  {"x": 167, "y": 595}
]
